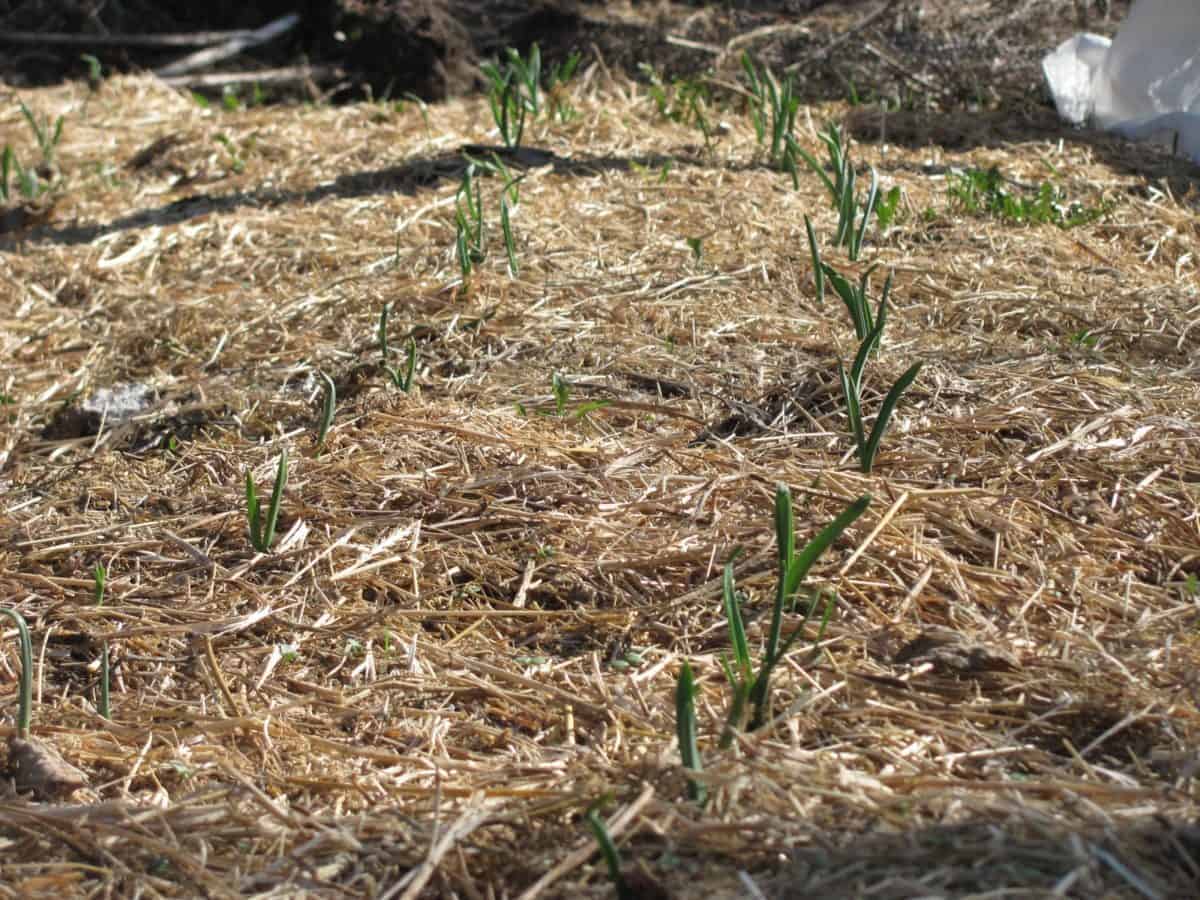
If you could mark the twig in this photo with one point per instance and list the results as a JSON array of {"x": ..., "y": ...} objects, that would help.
[
  {"x": 184, "y": 39},
  {"x": 265, "y": 76},
  {"x": 207, "y": 57}
]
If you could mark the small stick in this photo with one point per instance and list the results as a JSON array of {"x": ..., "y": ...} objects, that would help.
[{"x": 232, "y": 47}]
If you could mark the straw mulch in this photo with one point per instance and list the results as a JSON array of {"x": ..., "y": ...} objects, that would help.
[{"x": 472, "y": 623}]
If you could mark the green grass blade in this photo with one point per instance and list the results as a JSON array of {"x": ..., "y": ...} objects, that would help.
[
  {"x": 276, "y": 497},
  {"x": 737, "y": 629},
  {"x": 885, "y": 415},
  {"x": 830, "y": 533},
  {"x": 868, "y": 209},
  {"x": 25, "y": 687},
  {"x": 105, "y": 708},
  {"x": 510, "y": 247},
  {"x": 849, "y": 296},
  {"x": 328, "y": 408},
  {"x": 6, "y": 168},
  {"x": 685, "y": 725},
  {"x": 253, "y": 513},
  {"x": 612, "y": 859},
  {"x": 853, "y": 409},
  {"x": 869, "y": 343},
  {"x": 815, "y": 251},
  {"x": 410, "y": 366},
  {"x": 816, "y": 167},
  {"x": 383, "y": 339}
]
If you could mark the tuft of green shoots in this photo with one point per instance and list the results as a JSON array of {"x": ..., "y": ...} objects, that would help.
[
  {"x": 855, "y": 298},
  {"x": 612, "y": 858},
  {"x": 262, "y": 531},
  {"x": 561, "y": 391},
  {"x": 25, "y": 688},
  {"x": 328, "y": 408},
  {"x": 400, "y": 377},
  {"x": 867, "y": 446},
  {"x": 514, "y": 92},
  {"x": 46, "y": 134},
  {"x": 987, "y": 192},
  {"x": 752, "y": 691},
  {"x": 685, "y": 101},
  {"x": 100, "y": 580},
  {"x": 685, "y": 726},
  {"x": 775, "y": 103},
  {"x": 95, "y": 71},
  {"x": 510, "y": 246},
  {"x": 696, "y": 245},
  {"x": 556, "y": 94},
  {"x": 470, "y": 233},
  {"x": 28, "y": 184},
  {"x": 818, "y": 268}
]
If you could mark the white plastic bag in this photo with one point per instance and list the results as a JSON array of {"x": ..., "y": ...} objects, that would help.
[{"x": 1145, "y": 83}]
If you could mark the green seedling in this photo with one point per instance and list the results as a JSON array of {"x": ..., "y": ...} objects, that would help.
[
  {"x": 887, "y": 207},
  {"x": 262, "y": 531},
  {"x": 866, "y": 446},
  {"x": 557, "y": 98},
  {"x": 514, "y": 92},
  {"x": 752, "y": 691},
  {"x": 46, "y": 134},
  {"x": 95, "y": 73},
  {"x": 561, "y": 391},
  {"x": 25, "y": 686},
  {"x": 854, "y": 296},
  {"x": 400, "y": 377},
  {"x": 696, "y": 245},
  {"x": 851, "y": 231},
  {"x": 100, "y": 580},
  {"x": 987, "y": 192},
  {"x": 818, "y": 268},
  {"x": 685, "y": 725},
  {"x": 772, "y": 103},
  {"x": 685, "y": 101},
  {"x": 612, "y": 859},
  {"x": 28, "y": 184},
  {"x": 510, "y": 246},
  {"x": 236, "y": 163},
  {"x": 470, "y": 233},
  {"x": 328, "y": 408}
]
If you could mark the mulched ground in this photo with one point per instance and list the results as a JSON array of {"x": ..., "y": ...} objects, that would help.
[{"x": 471, "y": 626}]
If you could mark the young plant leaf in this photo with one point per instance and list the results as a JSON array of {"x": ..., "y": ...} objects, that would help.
[{"x": 685, "y": 725}]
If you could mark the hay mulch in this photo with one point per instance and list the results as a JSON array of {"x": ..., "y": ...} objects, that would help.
[{"x": 472, "y": 623}]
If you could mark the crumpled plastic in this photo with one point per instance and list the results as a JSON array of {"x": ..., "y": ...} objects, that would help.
[{"x": 1144, "y": 83}]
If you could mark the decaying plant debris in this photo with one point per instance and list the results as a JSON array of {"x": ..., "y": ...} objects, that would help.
[{"x": 469, "y": 626}]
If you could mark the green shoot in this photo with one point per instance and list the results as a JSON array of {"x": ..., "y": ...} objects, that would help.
[
  {"x": 855, "y": 299},
  {"x": 468, "y": 218},
  {"x": 886, "y": 209},
  {"x": 818, "y": 269},
  {"x": 561, "y": 391},
  {"x": 47, "y": 136},
  {"x": 987, "y": 192},
  {"x": 777, "y": 104},
  {"x": 28, "y": 185},
  {"x": 752, "y": 692},
  {"x": 510, "y": 246},
  {"x": 514, "y": 91},
  {"x": 100, "y": 579},
  {"x": 697, "y": 247},
  {"x": 25, "y": 688},
  {"x": 612, "y": 859},
  {"x": 95, "y": 71},
  {"x": 556, "y": 93},
  {"x": 400, "y": 377},
  {"x": 867, "y": 446},
  {"x": 328, "y": 408},
  {"x": 685, "y": 724},
  {"x": 262, "y": 532}
]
